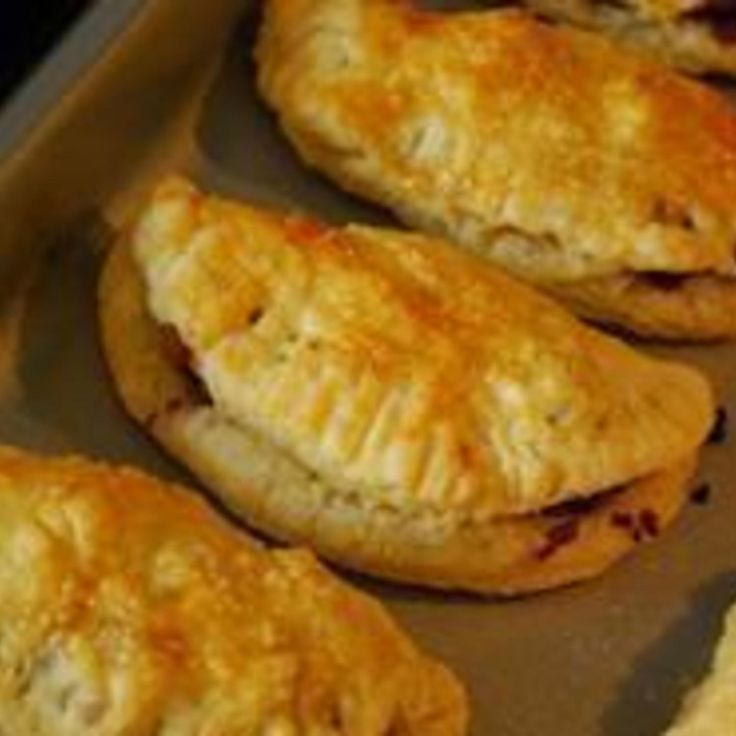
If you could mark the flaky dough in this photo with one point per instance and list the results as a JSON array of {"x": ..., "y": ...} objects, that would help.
[
  {"x": 547, "y": 150},
  {"x": 130, "y": 609},
  {"x": 683, "y": 33},
  {"x": 412, "y": 410}
]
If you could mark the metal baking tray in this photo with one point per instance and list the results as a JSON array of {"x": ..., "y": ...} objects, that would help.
[{"x": 143, "y": 87}]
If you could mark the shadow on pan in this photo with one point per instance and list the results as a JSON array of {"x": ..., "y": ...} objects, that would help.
[{"x": 678, "y": 661}]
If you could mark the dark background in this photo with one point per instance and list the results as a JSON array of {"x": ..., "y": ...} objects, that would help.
[{"x": 27, "y": 32}]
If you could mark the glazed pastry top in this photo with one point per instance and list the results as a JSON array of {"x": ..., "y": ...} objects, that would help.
[
  {"x": 492, "y": 125},
  {"x": 402, "y": 370},
  {"x": 128, "y": 607}
]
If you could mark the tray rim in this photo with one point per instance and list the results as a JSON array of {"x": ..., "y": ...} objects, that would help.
[
  {"x": 29, "y": 115},
  {"x": 65, "y": 68}
]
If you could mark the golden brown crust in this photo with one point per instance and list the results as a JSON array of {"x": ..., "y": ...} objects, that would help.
[
  {"x": 128, "y": 608},
  {"x": 662, "y": 9},
  {"x": 401, "y": 369},
  {"x": 688, "y": 34},
  {"x": 549, "y": 151},
  {"x": 437, "y": 543},
  {"x": 659, "y": 305}
]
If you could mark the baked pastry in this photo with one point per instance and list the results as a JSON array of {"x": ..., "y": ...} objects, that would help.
[
  {"x": 605, "y": 179},
  {"x": 710, "y": 710},
  {"x": 396, "y": 404},
  {"x": 128, "y": 607},
  {"x": 696, "y": 36}
]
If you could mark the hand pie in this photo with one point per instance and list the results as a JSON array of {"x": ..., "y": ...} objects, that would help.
[
  {"x": 711, "y": 709},
  {"x": 603, "y": 178},
  {"x": 697, "y": 36},
  {"x": 396, "y": 404},
  {"x": 128, "y": 608}
]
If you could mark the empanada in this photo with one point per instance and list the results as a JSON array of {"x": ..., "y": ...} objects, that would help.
[
  {"x": 395, "y": 403},
  {"x": 710, "y": 710},
  {"x": 697, "y": 36},
  {"x": 606, "y": 179},
  {"x": 129, "y": 609}
]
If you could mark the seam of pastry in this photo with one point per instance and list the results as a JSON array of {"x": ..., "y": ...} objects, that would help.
[
  {"x": 420, "y": 549},
  {"x": 412, "y": 548},
  {"x": 463, "y": 197},
  {"x": 380, "y": 297},
  {"x": 678, "y": 40}
]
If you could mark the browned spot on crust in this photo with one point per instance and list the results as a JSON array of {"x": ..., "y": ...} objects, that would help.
[
  {"x": 671, "y": 213},
  {"x": 305, "y": 229},
  {"x": 420, "y": 21},
  {"x": 255, "y": 316}
]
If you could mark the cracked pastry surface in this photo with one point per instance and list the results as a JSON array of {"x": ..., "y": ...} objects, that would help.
[
  {"x": 397, "y": 404},
  {"x": 710, "y": 709},
  {"x": 128, "y": 607},
  {"x": 549, "y": 151},
  {"x": 697, "y": 36}
]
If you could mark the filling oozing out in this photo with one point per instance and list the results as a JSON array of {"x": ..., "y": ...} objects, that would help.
[
  {"x": 566, "y": 518},
  {"x": 181, "y": 358},
  {"x": 561, "y": 524}
]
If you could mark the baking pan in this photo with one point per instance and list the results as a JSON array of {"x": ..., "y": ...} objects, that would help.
[{"x": 143, "y": 87}]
